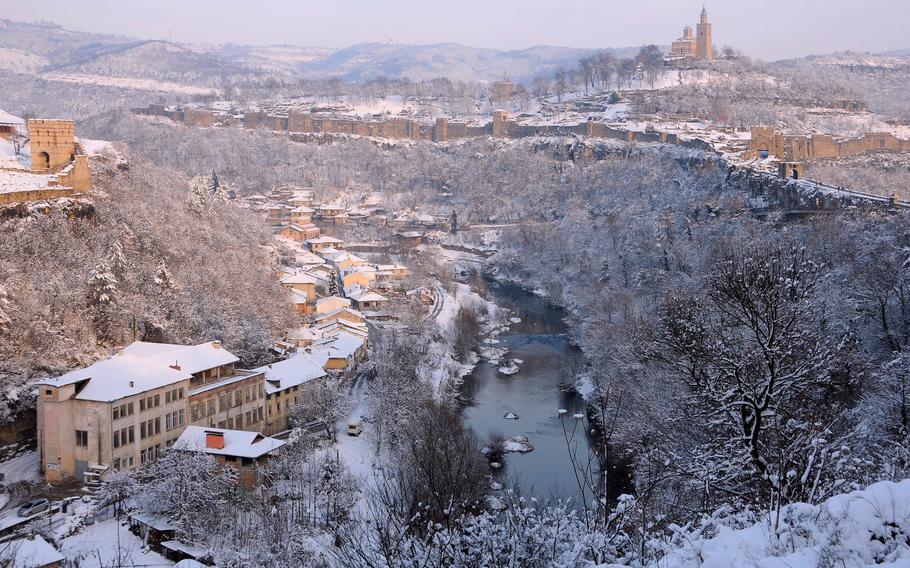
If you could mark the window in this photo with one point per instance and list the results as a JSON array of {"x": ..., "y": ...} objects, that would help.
[
  {"x": 82, "y": 438},
  {"x": 116, "y": 413},
  {"x": 131, "y": 461},
  {"x": 261, "y": 413},
  {"x": 129, "y": 409},
  {"x": 157, "y": 400},
  {"x": 238, "y": 398},
  {"x": 117, "y": 463},
  {"x": 142, "y": 431},
  {"x": 141, "y": 405},
  {"x": 246, "y": 462},
  {"x": 211, "y": 407},
  {"x": 222, "y": 402},
  {"x": 180, "y": 393},
  {"x": 180, "y": 417},
  {"x": 167, "y": 397},
  {"x": 132, "y": 435},
  {"x": 158, "y": 425},
  {"x": 48, "y": 392},
  {"x": 116, "y": 439},
  {"x": 167, "y": 422},
  {"x": 239, "y": 422},
  {"x": 222, "y": 424}
]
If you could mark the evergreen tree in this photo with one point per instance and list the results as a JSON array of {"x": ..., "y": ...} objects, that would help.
[
  {"x": 102, "y": 285},
  {"x": 333, "y": 283},
  {"x": 117, "y": 260},
  {"x": 163, "y": 278}
]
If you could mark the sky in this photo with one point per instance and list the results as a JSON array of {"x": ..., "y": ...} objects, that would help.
[{"x": 768, "y": 29}]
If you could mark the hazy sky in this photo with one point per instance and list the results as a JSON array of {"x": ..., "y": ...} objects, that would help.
[{"x": 769, "y": 29}]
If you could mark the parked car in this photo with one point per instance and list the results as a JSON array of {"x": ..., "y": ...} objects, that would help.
[
  {"x": 355, "y": 428},
  {"x": 34, "y": 507}
]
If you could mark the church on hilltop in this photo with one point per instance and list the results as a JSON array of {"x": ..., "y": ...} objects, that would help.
[{"x": 699, "y": 46}]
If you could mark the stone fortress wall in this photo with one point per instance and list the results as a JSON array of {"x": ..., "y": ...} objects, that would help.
[
  {"x": 766, "y": 139},
  {"x": 442, "y": 130}
]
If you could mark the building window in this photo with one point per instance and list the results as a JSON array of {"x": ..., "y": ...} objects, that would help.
[
  {"x": 141, "y": 405},
  {"x": 222, "y": 402},
  {"x": 211, "y": 407},
  {"x": 82, "y": 438},
  {"x": 48, "y": 392},
  {"x": 132, "y": 434},
  {"x": 116, "y": 439},
  {"x": 167, "y": 397},
  {"x": 116, "y": 464},
  {"x": 157, "y": 400}
]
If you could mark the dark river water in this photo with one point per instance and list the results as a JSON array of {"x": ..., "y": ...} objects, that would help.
[{"x": 533, "y": 394}]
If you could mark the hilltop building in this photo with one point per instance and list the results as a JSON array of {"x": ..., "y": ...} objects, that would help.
[{"x": 699, "y": 46}]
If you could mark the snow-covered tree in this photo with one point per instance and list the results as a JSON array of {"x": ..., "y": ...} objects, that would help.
[
  {"x": 756, "y": 355},
  {"x": 189, "y": 487},
  {"x": 163, "y": 278},
  {"x": 327, "y": 403}
]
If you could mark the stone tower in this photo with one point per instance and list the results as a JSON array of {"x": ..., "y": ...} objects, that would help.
[
  {"x": 52, "y": 144},
  {"x": 704, "y": 42}
]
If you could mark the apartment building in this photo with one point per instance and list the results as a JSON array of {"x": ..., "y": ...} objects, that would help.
[{"x": 126, "y": 410}]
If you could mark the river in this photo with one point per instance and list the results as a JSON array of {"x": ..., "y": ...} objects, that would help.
[{"x": 533, "y": 394}]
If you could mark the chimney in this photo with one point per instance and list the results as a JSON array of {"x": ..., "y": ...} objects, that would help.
[
  {"x": 214, "y": 440},
  {"x": 176, "y": 366},
  {"x": 216, "y": 344},
  {"x": 131, "y": 384}
]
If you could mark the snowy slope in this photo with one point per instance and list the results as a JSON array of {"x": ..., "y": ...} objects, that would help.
[{"x": 864, "y": 528}]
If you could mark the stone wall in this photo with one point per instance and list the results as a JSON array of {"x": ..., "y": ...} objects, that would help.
[
  {"x": 796, "y": 148},
  {"x": 34, "y": 195},
  {"x": 444, "y": 129}
]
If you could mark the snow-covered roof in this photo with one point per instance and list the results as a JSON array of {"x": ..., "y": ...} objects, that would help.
[
  {"x": 324, "y": 239},
  {"x": 343, "y": 344},
  {"x": 119, "y": 377},
  {"x": 387, "y": 267},
  {"x": 289, "y": 373},
  {"x": 338, "y": 312},
  {"x": 237, "y": 443},
  {"x": 309, "y": 258},
  {"x": 7, "y": 118},
  {"x": 331, "y": 300},
  {"x": 190, "y": 358},
  {"x": 158, "y": 522},
  {"x": 302, "y": 209},
  {"x": 342, "y": 256},
  {"x": 300, "y": 228},
  {"x": 331, "y": 327},
  {"x": 367, "y": 296},
  {"x": 365, "y": 269},
  {"x": 33, "y": 552},
  {"x": 299, "y": 278}
]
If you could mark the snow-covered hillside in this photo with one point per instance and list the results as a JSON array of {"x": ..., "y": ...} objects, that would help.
[{"x": 864, "y": 528}]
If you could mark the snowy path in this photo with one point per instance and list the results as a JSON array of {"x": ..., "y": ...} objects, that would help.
[{"x": 22, "y": 468}]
